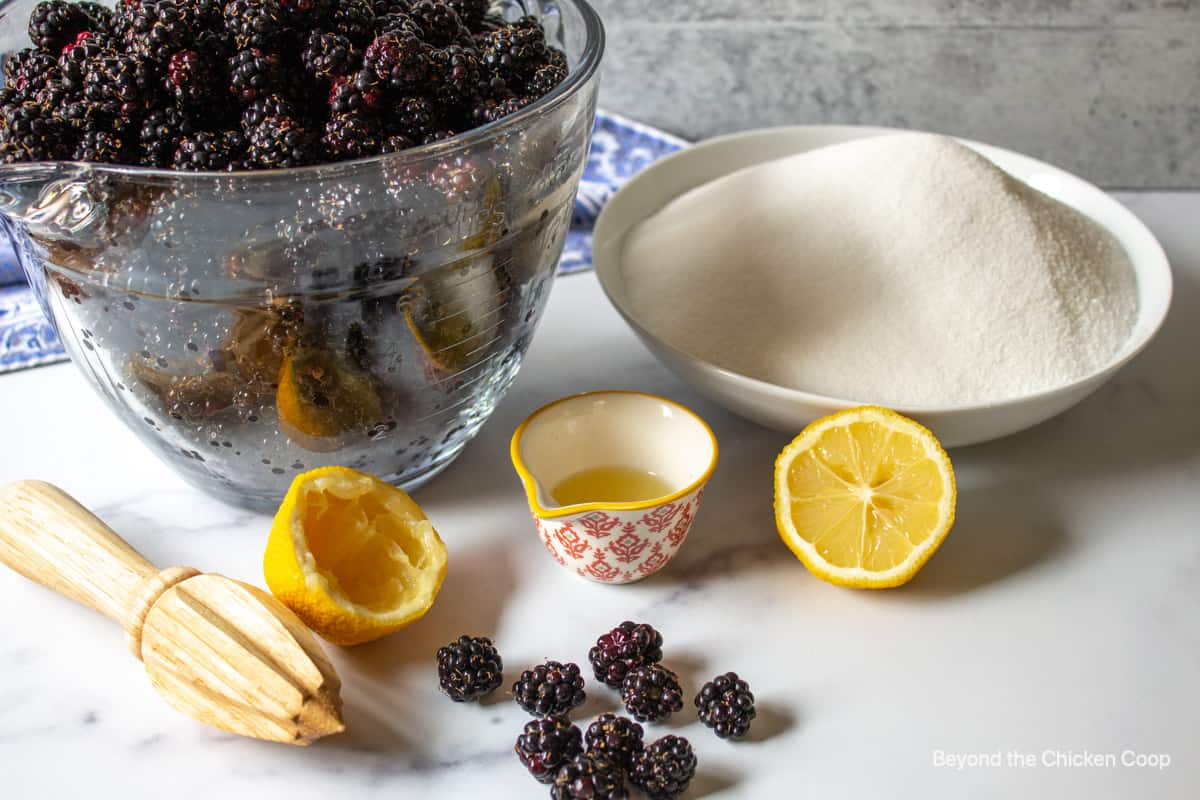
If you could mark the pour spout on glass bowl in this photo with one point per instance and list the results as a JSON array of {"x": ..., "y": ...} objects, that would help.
[{"x": 52, "y": 199}]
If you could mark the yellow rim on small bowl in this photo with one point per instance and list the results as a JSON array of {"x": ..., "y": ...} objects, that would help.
[{"x": 530, "y": 485}]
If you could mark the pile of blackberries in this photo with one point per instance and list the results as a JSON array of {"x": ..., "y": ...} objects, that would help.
[
  {"x": 261, "y": 84},
  {"x": 597, "y": 764}
]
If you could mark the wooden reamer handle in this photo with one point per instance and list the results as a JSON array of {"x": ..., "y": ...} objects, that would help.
[{"x": 48, "y": 537}]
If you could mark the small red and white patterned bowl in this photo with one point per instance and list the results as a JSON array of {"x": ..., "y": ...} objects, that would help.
[{"x": 613, "y": 542}]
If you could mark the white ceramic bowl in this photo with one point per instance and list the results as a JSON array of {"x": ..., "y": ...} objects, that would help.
[
  {"x": 614, "y": 542},
  {"x": 789, "y": 409}
]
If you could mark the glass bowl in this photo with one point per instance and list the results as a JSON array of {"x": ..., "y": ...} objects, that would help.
[{"x": 372, "y": 313}]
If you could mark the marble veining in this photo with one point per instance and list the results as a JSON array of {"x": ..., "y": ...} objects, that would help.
[{"x": 1060, "y": 613}]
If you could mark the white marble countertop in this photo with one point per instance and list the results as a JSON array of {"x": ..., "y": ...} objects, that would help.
[{"x": 1060, "y": 617}]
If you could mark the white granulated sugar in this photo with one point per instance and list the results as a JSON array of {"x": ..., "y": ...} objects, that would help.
[{"x": 904, "y": 269}]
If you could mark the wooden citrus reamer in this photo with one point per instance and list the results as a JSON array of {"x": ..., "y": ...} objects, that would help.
[{"x": 226, "y": 653}]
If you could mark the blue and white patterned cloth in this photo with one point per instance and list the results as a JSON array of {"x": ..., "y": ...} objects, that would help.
[{"x": 620, "y": 149}]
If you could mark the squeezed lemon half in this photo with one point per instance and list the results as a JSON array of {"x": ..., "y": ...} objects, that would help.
[
  {"x": 355, "y": 558},
  {"x": 864, "y": 497}
]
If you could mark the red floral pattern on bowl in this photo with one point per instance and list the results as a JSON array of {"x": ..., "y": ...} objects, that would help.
[{"x": 619, "y": 546}]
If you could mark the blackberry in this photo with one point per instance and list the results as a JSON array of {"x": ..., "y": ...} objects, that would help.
[
  {"x": 254, "y": 23},
  {"x": 550, "y": 688},
  {"x": 270, "y": 105},
  {"x": 124, "y": 79},
  {"x": 211, "y": 152},
  {"x": 192, "y": 79},
  {"x": 26, "y": 73},
  {"x": 355, "y": 20},
  {"x": 624, "y": 648},
  {"x": 513, "y": 53},
  {"x": 155, "y": 27},
  {"x": 351, "y": 136},
  {"x": 412, "y": 116},
  {"x": 254, "y": 73},
  {"x": 617, "y": 738},
  {"x": 328, "y": 55},
  {"x": 31, "y": 133},
  {"x": 79, "y": 56},
  {"x": 280, "y": 141},
  {"x": 652, "y": 693},
  {"x": 665, "y": 768},
  {"x": 397, "y": 59},
  {"x": 102, "y": 16},
  {"x": 454, "y": 74},
  {"x": 55, "y": 24},
  {"x": 546, "y": 744},
  {"x": 85, "y": 115},
  {"x": 398, "y": 22},
  {"x": 439, "y": 22},
  {"x": 357, "y": 94},
  {"x": 470, "y": 12},
  {"x": 469, "y": 668},
  {"x": 160, "y": 135},
  {"x": 589, "y": 777},
  {"x": 486, "y": 111},
  {"x": 726, "y": 705},
  {"x": 544, "y": 79},
  {"x": 395, "y": 143},
  {"x": 103, "y": 147},
  {"x": 438, "y": 135}
]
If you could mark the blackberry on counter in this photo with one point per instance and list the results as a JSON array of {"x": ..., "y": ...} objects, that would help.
[
  {"x": 397, "y": 59},
  {"x": 439, "y": 22},
  {"x": 328, "y": 55},
  {"x": 160, "y": 135},
  {"x": 652, "y": 693},
  {"x": 351, "y": 135},
  {"x": 469, "y": 668},
  {"x": 192, "y": 79},
  {"x": 31, "y": 133},
  {"x": 281, "y": 141},
  {"x": 254, "y": 73},
  {"x": 617, "y": 738},
  {"x": 55, "y": 24},
  {"x": 266, "y": 106},
  {"x": 546, "y": 744},
  {"x": 211, "y": 152},
  {"x": 665, "y": 768},
  {"x": 625, "y": 647},
  {"x": 355, "y": 20},
  {"x": 550, "y": 688},
  {"x": 103, "y": 147},
  {"x": 726, "y": 705},
  {"x": 589, "y": 777}
]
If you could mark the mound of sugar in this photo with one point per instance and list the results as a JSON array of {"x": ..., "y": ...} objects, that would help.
[{"x": 904, "y": 269}]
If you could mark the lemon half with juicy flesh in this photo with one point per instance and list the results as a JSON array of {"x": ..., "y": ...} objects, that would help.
[
  {"x": 355, "y": 558},
  {"x": 864, "y": 497}
]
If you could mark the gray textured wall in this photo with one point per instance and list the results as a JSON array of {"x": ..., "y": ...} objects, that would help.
[{"x": 1107, "y": 88}]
